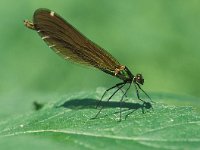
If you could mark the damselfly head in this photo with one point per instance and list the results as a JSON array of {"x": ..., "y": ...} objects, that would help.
[{"x": 139, "y": 79}]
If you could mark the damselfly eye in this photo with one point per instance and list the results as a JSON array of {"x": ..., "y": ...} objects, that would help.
[{"x": 139, "y": 79}]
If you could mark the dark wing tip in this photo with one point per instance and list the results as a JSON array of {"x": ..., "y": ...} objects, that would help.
[{"x": 39, "y": 10}]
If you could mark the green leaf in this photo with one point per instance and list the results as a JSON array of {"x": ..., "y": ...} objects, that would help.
[{"x": 66, "y": 123}]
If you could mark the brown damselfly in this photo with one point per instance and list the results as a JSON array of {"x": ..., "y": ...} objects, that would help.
[{"x": 69, "y": 43}]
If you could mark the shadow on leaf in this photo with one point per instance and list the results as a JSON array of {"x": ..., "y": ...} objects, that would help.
[
  {"x": 76, "y": 104},
  {"x": 92, "y": 103}
]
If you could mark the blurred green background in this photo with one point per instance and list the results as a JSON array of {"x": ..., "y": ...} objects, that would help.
[{"x": 157, "y": 38}]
